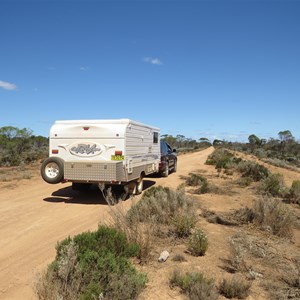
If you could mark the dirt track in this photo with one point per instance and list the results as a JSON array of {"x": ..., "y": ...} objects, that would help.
[{"x": 35, "y": 215}]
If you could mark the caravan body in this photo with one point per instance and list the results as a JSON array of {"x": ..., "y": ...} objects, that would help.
[{"x": 102, "y": 151}]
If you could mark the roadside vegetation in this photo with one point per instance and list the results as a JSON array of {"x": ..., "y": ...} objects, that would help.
[
  {"x": 283, "y": 151},
  {"x": 93, "y": 265},
  {"x": 270, "y": 217},
  {"x": 20, "y": 146}
]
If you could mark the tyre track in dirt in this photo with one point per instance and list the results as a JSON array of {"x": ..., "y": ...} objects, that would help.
[{"x": 35, "y": 215}]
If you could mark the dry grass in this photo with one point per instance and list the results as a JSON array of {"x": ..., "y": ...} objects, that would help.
[
  {"x": 273, "y": 216},
  {"x": 194, "y": 285},
  {"x": 137, "y": 232},
  {"x": 179, "y": 258},
  {"x": 235, "y": 287},
  {"x": 15, "y": 173}
]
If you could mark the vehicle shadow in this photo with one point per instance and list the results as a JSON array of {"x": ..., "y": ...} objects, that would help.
[{"x": 91, "y": 196}]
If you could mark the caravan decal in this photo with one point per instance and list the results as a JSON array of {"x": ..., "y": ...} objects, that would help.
[{"x": 85, "y": 149}]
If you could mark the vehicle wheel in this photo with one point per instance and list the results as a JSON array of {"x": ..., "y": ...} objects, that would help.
[
  {"x": 52, "y": 170},
  {"x": 175, "y": 166},
  {"x": 139, "y": 186},
  {"x": 165, "y": 173}
]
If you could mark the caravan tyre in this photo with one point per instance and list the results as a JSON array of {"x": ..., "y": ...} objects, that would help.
[
  {"x": 139, "y": 186},
  {"x": 52, "y": 170}
]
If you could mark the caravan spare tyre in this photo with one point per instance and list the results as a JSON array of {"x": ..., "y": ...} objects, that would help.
[{"x": 52, "y": 170}]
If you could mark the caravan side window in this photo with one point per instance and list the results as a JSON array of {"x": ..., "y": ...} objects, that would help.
[{"x": 155, "y": 137}]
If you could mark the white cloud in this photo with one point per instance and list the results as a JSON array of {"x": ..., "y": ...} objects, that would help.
[
  {"x": 7, "y": 85},
  {"x": 83, "y": 68},
  {"x": 153, "y": 60}
]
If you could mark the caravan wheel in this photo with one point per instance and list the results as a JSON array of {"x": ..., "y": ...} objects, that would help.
[
  {"x": 139, "y": 186},
  {"x": 52, "y": 170},
  {"x": 135, "y": 187}
]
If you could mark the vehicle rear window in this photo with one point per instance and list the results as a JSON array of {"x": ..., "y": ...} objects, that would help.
[{"x": 155, "y": 137}]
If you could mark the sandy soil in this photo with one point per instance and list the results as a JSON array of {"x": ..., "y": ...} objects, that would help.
[{"x": 34, "y": 216}]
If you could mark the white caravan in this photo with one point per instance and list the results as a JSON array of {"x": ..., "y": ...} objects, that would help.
[{"x": 105, "y": 152}]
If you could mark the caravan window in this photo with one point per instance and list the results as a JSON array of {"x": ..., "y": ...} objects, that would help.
[{"x": 155, "y": 137}]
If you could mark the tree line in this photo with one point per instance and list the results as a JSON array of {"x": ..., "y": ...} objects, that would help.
[
  {"x": 285, "y": 147},
  {"x": 20, "y": 146},
  {"x": 182, "y": 143}
]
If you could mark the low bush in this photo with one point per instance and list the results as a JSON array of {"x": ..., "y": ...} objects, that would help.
[
  {"x": 136, "y": 232},
  {"x": 179, "y": 258},
  {"x": 198, "y": 243},
  {"x": 274, "y": 216},
  {"x": 162, "y": 205},
  {"x": 93, "y": 265},
  {"x": 273, "y": 185},
  {"x": 293, "y": 194},
  {"x": 252, "y": 170},
  {"x": 195, "y": 179},
  {"x": 292, "y": 276},
  {"x": 159, "y": 212},
  {"x": 199, "y": 181},
  {"x": 222, "y": 159},
  {"x": 282, "y": 163},
  {"x": 244, "y": 181},
  {"x": 194, "y": 285},
  {"x": 183, "y": 225},
  {"x": 236, "y": 258},
  {"x": 235, "y": 287}
]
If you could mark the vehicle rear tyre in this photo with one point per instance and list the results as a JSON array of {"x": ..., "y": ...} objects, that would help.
[
  {"x": 175, "y": 166},
  {"x": 52, "y": 170},
  {"x": 165, "y": 173}
]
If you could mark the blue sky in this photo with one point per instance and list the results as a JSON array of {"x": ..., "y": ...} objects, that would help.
[{"x": 217, "y": 69}]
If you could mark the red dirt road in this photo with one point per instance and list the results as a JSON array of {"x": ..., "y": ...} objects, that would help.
[{"x": 35, "y": 215}]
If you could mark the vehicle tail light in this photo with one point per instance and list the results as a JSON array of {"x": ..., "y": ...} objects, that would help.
[
  {"x": 118, "y": 152},
  {"x": 54, "y": 151},
  {"x": 86, "y": 128}
]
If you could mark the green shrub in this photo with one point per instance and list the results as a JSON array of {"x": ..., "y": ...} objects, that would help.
[
  {"x": 183, "y": 225},
  {"x": 253, "y": 170},
  {"x": 204, "y": 188},
  {"x": 234, "y": 288},
  {"x": 195, "y": 179},
  {"x": 198, "y": 243},
  {"x": 195, "y": 285},
  {"x": 221, "y": 158},
  {"x": 294, "y": 193},
  {"x": 244, "y": 181},
  {"x": 273, "y": 185},
  {"x": 93, "y": 265},
  {"x": 198, "y": 181}
]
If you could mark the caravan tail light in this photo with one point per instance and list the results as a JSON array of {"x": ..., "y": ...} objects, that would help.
[
  {"x": 118, "y": 152},
  {"x": 86, "y": 128},
  {"x": 54, "y": 151}
]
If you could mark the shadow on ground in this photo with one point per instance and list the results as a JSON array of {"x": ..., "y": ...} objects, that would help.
[{"x": 90, "y": 196}]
